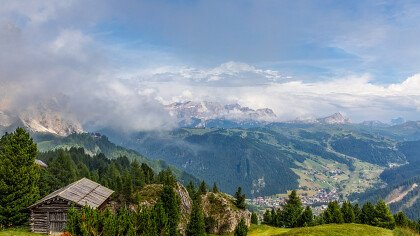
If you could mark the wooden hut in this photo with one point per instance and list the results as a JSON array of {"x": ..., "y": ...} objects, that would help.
[{"x": 50, "y": 213}]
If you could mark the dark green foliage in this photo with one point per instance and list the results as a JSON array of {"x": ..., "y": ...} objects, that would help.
[
  {"x": 149, "y": 175},
  {"x": 254, "y": 218},
  {"x": 67, "y": 166},
  {"x": 191, "y": 190},
  {"x": 400, "y": 174},
  {"x": 347, "y": 211},
  {"x": 202, "y": 189},
  {"x": 357, "y": 212},
  {"x": 138, "y": 175},
  {"x": 19, "y": 177},
  {"x": 412, "y": 211},
  {"x": 196, "y": 226},
  {"x": 215, "y": 188},
  {"x": 333, "y": 215},
  {"x": 267, "y": 217},
  {"x": 292, "y": 211},
  {"x": 383, "y": 217},
  {"x": 225, "y": 161},
  {"x": 166, "y": 177},
  {"x": 368, "y": 213},
  {"x": 241, "y": 229},
  {"x": 401, "y": 219},
  {"x": 171, "y": 204},
  {"x": 375, "y": 152},
  {"x": 240, "y": 199},
  {"x": 73, "y": 221},
  {"x": 307, "y": 217}
]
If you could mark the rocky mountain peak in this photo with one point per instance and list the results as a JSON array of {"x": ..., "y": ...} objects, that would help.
[
  {"x": 208, "y": 110},
  {"x": 336, "y": 118}
]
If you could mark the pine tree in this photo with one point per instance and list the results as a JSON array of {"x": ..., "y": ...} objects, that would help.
[
  {"x": 333, "y": 215},
  {"x": 202, "y": 190},
  {"x": 401, "y": 219},
  {"x": 267, "y": 217},
  {"x": 215, "y": 188},
  {"x": 241, "y": 229},
  {"x": 19, "y": 177},
  {"x": 171, "y": 204},
  {"x": 166, "y": 177},
  {"x": 160, "y": 219},
  {"x": 292, "y": 210},
  {"x": 307, "y": 217},
  {"x": 196, "y": 226},
  {"x": 368, "y": 213},
  {"x": 127, "y": 188},
  {"x": 278, "y": 218},
  {"x": 137, "y": 175},
  {"x": 240, "y": 199},
  {"x": 191, "y": 190},
  {"x": 254, "y": 218},
  {"x": 357, "y": 213},
  {"x": 149, "y": 174},
  {"x": 383, "y": 217},
  {"x": 347, "y": 211}
]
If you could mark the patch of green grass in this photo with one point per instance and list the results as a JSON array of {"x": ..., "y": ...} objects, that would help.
[
  {"x": 404, "y": 232},
  {"x": 339, "y": 230},
  {"x": 17, "y": 232},
  {"x": 265, "y": 230}
]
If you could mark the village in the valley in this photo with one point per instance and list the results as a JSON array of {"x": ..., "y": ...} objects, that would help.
[{"x": 318, "y": 201}]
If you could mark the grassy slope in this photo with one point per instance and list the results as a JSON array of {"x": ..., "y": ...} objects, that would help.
[
  {"x": 340, "y": 230},
  {"x": 17, "y": 232},
  {"x": 264, "y": 230},
  {"x": 330, "y": 230}
]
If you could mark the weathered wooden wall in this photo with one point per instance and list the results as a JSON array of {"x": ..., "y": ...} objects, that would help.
[{"x": 50, "y": 216}]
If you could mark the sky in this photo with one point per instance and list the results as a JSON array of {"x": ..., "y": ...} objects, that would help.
[{"x": 117, "y": 63}]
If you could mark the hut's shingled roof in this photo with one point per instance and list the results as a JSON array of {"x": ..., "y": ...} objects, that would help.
[{"x": 82, "y": 192}]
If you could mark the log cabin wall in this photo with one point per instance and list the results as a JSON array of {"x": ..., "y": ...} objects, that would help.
[{"x": 50, "y": 216}]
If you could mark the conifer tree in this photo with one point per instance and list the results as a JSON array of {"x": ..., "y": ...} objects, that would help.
[
  {"x": 292, "y": 210},
  {"x": 383, "y": 217},
  {"x": 171, "y": 204},
  {"x": 137, "y": 175},
  {"x": 357, "y": 212},
  {"x": 191, "y": 190},
  {"x": 368, "y": 213},
  {"x": 254, "y": 218},
  {"x": 347, "y": 211},
  {"x": 401, "y": 219},
  {"x": 333, "y": 215},
  {"x": 240, "y": 199},
  {"x": 203, "y": 188},
  {"x": 241, "y": 229},
  {"x": 215, "y": 188},
  {"x": 267, "y": 217},
  {"x": 19, "y": 177},
  {"x": 196, "y": 226},
  {"x": 307, "y": 217},
  {"x": 160, "y": 219},
  {"x": 149, "y": 174},
  {"x": 278, "y": 218}
]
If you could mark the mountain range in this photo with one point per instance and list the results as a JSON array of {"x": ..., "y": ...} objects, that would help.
[{"x": 236, "y": 146}]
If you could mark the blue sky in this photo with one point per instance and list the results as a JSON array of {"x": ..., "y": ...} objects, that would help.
[
  {"x": 300, "y": 58},
  {"x": 312, "y": 39}
]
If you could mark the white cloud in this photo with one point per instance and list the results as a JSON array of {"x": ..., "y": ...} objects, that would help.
[{"x": 357, "y": 96}]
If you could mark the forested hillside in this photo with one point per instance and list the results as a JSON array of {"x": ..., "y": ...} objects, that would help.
[
  {"x": 274, "y": 158},
  {"x": 94, "y": 144}
]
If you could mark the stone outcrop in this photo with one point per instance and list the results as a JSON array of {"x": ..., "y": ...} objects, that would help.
[{"x": 222, "y": 216}]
